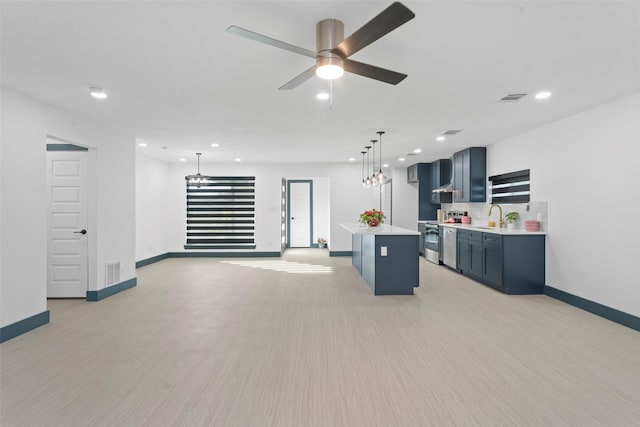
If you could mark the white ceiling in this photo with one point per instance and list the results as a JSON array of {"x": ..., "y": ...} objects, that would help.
[{"x": 178, "y": 80}]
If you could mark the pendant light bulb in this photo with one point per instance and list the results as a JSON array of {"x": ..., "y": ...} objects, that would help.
[
  {"x": 374, "y": 177},
  {"x": 368, "y": 180},
  {"x": 381, "y": 176}
]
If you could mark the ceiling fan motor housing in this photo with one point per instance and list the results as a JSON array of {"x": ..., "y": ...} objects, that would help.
[{"x": 329, "y": 34}]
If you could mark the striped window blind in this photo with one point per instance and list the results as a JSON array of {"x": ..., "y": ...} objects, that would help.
[
  {"x": 510, "y": 187},
  {"x": 221, "y": 213}
]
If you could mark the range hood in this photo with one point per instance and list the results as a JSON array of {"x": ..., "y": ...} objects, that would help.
[{"x": 448, "y": 187}]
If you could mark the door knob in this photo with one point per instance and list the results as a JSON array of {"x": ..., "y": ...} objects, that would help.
[{"x": 80, "y": 232}]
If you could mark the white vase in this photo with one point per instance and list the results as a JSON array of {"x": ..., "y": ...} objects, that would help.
[{"x": 511, "y": 226}]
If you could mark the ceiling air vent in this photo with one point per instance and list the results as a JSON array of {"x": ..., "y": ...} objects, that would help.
[
  {"x": 452, "y": 132},
  {"x": 512, "y": 97}
]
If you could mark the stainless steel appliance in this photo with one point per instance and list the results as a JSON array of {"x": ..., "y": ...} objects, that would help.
[
  {"x": 449, "y": 243},
  {"x": 429, "y": 240}
]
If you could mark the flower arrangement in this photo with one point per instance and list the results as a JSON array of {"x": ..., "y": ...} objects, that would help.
[{"x": 372, "y": 217}]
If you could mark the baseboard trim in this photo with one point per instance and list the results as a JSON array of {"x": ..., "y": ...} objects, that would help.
[
  {"x": 192, "y": 254},
  {"x": 152, "y": 260},
  {"x": 223, "y": 254},
  {"x": 23, "y": 326},
  {"x": 340, "y": 253},
  {"x": 608, "y": 313},
  {"x": 111, "y": 290}
]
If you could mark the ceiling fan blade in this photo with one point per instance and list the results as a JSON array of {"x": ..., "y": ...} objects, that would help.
[
  {"x": 270, "y": 41},
  {"x": 299, "y": 79},
  {"x": 373, "y": 72},
  {"x": 387, "y": 21}
]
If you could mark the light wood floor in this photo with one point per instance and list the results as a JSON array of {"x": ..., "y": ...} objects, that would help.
[{"x": 204, "y": 342}]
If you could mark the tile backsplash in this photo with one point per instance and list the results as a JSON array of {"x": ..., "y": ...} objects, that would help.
[{"x": 479, "y": 212}]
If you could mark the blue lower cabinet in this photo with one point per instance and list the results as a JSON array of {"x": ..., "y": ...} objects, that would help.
[
  {"x": 514, "y": 264},
  {"x": 356, "y": 252},
  {"x": 470, "y": 253},
  {"x": 492, "y": 260},
  {"x": 389, "y": 264}
]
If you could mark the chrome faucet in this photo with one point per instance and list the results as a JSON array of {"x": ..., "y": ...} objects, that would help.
[{"x": 501, "y": 223}]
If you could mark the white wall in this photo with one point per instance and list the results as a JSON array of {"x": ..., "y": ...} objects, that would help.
[
  {"x": 338, "y": 197},
  {"x": 151, "y": 215},
  {"x": 404, "y": 200},
  {"x": 586, "y": 167},
  {"x": 25, "y": 126}
]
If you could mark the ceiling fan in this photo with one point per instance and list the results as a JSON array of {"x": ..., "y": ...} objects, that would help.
[{"x": 333, "y": 50}]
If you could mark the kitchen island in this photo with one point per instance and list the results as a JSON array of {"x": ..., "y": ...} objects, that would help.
[{"x": 386, "y": 257}]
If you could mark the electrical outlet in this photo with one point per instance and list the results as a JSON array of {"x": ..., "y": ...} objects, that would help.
[
  {"x": 383, "y": 251},
  {"x": 539, "y": 217}
]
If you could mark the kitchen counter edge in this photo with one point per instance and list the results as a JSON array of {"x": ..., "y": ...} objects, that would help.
[
  {"x": 358, "y": 228},
  {"x": 494, "y": 230}
]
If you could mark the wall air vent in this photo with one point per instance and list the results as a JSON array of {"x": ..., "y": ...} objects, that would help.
[
  {"x": 112, "y": 273},
  {"x": 452, "y": 132},
  {"x": 512, "y": 97}
]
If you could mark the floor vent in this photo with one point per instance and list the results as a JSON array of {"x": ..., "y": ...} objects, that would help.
[
  {"x": 112, "y": 273},
  {"x": 512, "y": 97},
  {"x": 452, "y": 132}
]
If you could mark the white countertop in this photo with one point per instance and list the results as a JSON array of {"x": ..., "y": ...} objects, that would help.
[
  {"x": 359, "y": 228},
  {"x": 494, "y": 230}
]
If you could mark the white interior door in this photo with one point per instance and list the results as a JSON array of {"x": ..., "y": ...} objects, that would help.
[
  {"x": 67, "y": 256},
  {"x": 300, "y": 214}
]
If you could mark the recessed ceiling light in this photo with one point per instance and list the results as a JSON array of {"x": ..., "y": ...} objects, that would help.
[
  {"x": 238, "y": 160},
  {"x": 142, "y": 144},
  {"x": 386, "y": 165},
  {"x": 543, "y": 95},
  {"x": 183, "y": 160},
  {"x": 401, "y": 159},
  {"x": 440, "y": 138},
  {"x": 322, "y": 96},
  {"x": 215, "y": 145},
  {"x": 351, "y": 159},
  {"x": 97, "y": 92},
  {"x": 417, "y": 150}
]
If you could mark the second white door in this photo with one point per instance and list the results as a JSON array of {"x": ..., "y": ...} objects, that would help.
[{"x": 300, "y": 214}]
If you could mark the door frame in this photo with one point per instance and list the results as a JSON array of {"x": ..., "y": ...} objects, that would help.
[
  {"x": 54, "y": 143},
  {"x": 300, "y": 181}
]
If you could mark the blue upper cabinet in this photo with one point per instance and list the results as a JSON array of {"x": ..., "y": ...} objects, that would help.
[
  {"x": 440, "y": 175},
  {"x": 470, "y": 175}
]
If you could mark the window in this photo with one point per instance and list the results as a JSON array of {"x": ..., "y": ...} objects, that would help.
[
  {"x": 510, "y": 187},
  {"x": 221, "y": 213}
]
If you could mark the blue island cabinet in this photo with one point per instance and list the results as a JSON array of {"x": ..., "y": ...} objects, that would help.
[{"x": 386, "y": 257}]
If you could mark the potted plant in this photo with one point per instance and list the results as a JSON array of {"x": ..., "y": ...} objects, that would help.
[
  {"x": 322, "y": 242},
  {"x": 511, "y": 218},
  {"x": 372, "y": 218}
]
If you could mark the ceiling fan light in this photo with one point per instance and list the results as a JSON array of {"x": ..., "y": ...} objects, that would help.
[
  {"x": 329, "y": 72},
  {"x": 329, "y": 67}
]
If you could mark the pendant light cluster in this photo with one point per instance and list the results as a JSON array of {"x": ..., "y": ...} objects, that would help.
[
  {"x": 197, "y": 179},
  {"x": 377, "y": 176}
]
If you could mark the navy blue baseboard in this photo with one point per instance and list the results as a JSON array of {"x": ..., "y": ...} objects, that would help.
[
  {"x": 609, "y": 313},
  {"x": 111, "y": 290},
  {"x": 192, "y": 254},
  {"x": 340, "y": 253},
  {"x": 223, "y": 254},
  {"x": 151, "y": 260},
  {"x": 23, "y": 326}
]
